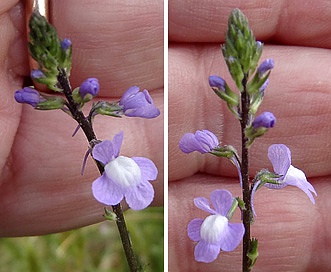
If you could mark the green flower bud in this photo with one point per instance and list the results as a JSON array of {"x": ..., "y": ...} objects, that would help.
[
  {"x": 253, "y": 252},
  {"x": 241, "y": 51}
]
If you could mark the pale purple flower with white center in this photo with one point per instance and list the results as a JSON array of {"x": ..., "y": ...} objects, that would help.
[
  {"x": 280, "y": 157},
  {"x": 203, "y": 141},
  {"x": 89, "y": 87},
  {"x": 123, "y": 176},
  {"x": 217, "y": 82},
  {"x": 29, "y": 96},
  {"x": 265, "y": 66},
  {"x": 138, "y": 104},
  {"x": 265, "y": 119},
  {"x": 214, "y": 233}
]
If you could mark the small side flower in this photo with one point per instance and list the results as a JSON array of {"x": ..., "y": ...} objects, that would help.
[
  {"x": 123, "y": 177},
  {"x": 264, "y": 120},
  {"x": 37, "y": 100},
  {"x": 260, "y": 126},
  {"x": 29, "y": 96},
  {"x": 203, "y": 141},
  {"x": 280, "y": 157},
  {"x": 138, "y": 104},
  {"x": 89, "y": 88},
  {"x": 215, "y": 233}
]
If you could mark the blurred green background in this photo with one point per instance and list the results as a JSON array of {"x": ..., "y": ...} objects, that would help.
[{"x": 94, "y": 248}]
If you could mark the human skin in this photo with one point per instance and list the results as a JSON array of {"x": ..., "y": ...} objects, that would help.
[
  {"x": 294, "y": 234},
  {"x": 41, "y": 189}
]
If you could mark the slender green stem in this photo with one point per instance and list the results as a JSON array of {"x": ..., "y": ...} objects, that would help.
[
  {"x": 245, "y": 176},
  {"x": 86, "y": 126}
]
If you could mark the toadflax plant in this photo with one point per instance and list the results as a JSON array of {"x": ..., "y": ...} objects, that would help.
[
  {"x": 216, "y": 233},
  {"x": 121, "y": 177}
]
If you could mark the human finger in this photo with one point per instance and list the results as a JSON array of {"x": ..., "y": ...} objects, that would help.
[
  {"x": 282, "y": 22},
  {"x": 298, "y": 94},
  {"x": 288, "y": 227}
]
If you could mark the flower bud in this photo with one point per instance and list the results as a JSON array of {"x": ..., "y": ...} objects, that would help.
[
  {"x": 203, "y": 141},
  {"x": 266, "y": 120},
  {"x": 29, "y": 96},
  {"x": 89, "y": 87},
  {"x": 65, "y": 44},
  {"x": 36, "y": 74},
  {"x": 265, "y": 66},
  {"x": 217, "y": 82}
]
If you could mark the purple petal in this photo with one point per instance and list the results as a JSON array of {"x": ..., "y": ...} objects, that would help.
[
  {"x": 207, "y": 139},
  {"x": 222, "y": 201},
  {"x": 232, "y": 236},
  {"x": 188, "y": 143},
  {"x": 140, "y": 197},
  {"x": 147, "y": 168},
  {"x": 280, "y": 157},
  {"x": 138, "y": 104},
  {"x": 106, "y": 191},
  {"x": 193, "y": 229},
  {"x": 128, "y": 93},
  {"x": 103, "y": 152},
  {"x": 203, "y": 204},
  {"x": 148, "y": 111},
  {"x": 205, "y": 252},
  {"x": 117, "y": 143},
  {"x": 296, "y": 177}
]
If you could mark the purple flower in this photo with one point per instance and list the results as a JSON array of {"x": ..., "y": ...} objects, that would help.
[
  {"x": 89, "y": 87},
  {"x": 65, "y": 44},
  {"x": 123, "y": 176},
  {"x": 280, "y": 157},
  {"x": 202, "y": 141},
  {"x": 265, "y": 66},
  {"x": 214, "y": 233},
  {"x": 138, "y": 104},
  {"x": 35, "y": 74},
  {"x": 265, "y": 119},
  {"x": 217, "y": 82},
  {"x": 29, "y": 96}
]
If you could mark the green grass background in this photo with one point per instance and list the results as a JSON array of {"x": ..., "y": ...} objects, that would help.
[{"x": 94, "y": 248}]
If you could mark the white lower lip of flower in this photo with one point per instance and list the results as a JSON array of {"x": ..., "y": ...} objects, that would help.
[
  {"x": 212, "y": 226},
  {"x": 124, "y": 171}
]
